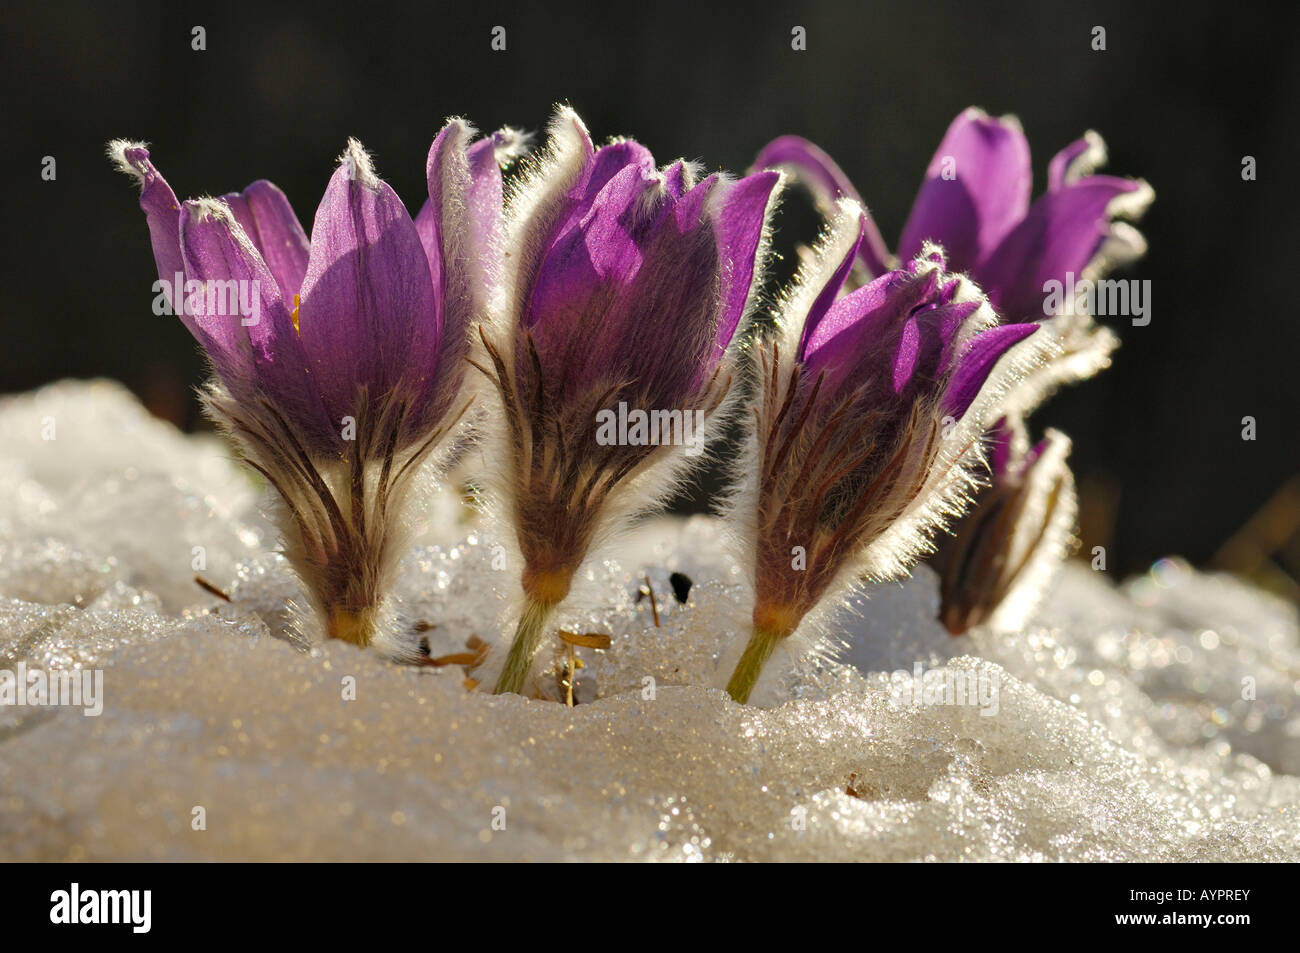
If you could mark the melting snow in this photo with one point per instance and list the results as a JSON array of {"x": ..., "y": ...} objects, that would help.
[{"x": 1155, "y": 720}]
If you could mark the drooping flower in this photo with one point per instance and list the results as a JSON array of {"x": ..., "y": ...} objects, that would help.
[
  {"x": 612, "y": 353},
  {"x": 869, "y": 413},
  {"x": 975, "y": 203},
  {"x": 342, "y": 367},
  {"x": 1003, "y": 554}
]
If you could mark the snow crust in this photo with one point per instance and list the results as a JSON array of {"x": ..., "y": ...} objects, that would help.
[{"x": 1155, "y": 720}]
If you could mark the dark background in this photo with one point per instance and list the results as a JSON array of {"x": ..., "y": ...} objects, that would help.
[{"x": 1182, "y": 93}]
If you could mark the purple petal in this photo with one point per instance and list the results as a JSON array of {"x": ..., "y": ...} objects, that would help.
[
  {"x": 814, "y": 336},
  {"x": 444, "y": 221},
  {"x": 162, "y": 214},
  {"x": 253, "y": 345},
  {"x": 1075, "y": 161},
  {"x": 820, "y": 174},
  {"x": 667, "y": 323},
  {"x": 543, "y": 206},
  {"x": 460, "y": 227},
  {"x": 643, "y": 277},
  {"x": 986, "y": 195},
  {"x": 269, "y": 222},
  {"x": 455, "y": 252},
  {"x": 599, "y": 249},
  {"x": 368, "y": 316},
  {"x": 679, "y": 178},
  {"x": 836, "y": 331},
  {"x": 739, "y": 222},
  {"x": 895, "y": 334},
  {"x": 563, "y": 222},
  {"x": 209, "y": 252},
  {"x": 926, "y": 348},
  {"x": 1062, "y": 234},
  {"x": 484, "y": 200},
  {"x": 585, "y": 240},
  {"x": 602, "y": 168},
  {"x": 976, "y": 363},
  {"x": 630, "y": 292}
]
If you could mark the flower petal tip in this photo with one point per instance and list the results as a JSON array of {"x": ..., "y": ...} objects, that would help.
[
  {"x": 848, "y": 217},
  {"x": 687, "y": 173},
  {"x": 358, "y": 164},
  {"x": 568, "y": 128},
  {"x": 207, "y": 208},
  {"x": 932, "y": 251},
  {"x": 131, "y": 158},
  {"x": 510, "y": 143},
  {"x": 1090, "y": 157},
  {"x": 1134, "y": 203},
  {"x": 1008, "y": 121}
]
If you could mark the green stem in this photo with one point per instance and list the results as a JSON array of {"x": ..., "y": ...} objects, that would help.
[
  {"x": 760, "y": 648},
  {"x": 528, "y": 638}
]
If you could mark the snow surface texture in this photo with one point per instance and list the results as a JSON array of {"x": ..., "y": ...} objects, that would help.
[{"x": 1120, "y": 733}]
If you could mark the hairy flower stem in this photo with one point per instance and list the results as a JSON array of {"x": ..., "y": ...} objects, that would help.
[
  {"x": 528, "y": 638},
  {"x": 762, "y": 643}
]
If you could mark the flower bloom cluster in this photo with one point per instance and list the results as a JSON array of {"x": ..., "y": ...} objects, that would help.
[
  {"x": 548, "y": 316},
  {"x": 975, "y": 202}
]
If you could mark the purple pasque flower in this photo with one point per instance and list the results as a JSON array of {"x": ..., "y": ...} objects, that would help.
[
  {"x": 868, "y": 417},
  {"x": 1004, "y": 552},
  {"x": 623, "y": 294},
  {"x": 340, "y": 370},
  {"x": 975, "y": 202}
]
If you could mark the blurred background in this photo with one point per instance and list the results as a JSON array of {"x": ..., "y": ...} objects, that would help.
[{"x": 1181, "y": 94}]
